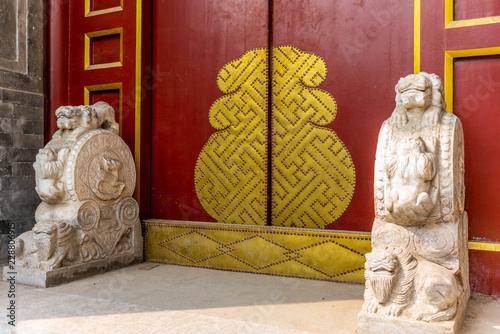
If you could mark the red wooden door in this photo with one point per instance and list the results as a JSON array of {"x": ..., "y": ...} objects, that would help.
[
  {"x": 99, "y": 50},
  {"x": 192, "y": 41},
  {"x": 367, "y": 47},
  {"x": 191, "y": 45}
]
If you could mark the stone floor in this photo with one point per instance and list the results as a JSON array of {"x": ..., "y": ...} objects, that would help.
[{"x": 151, "y": 298}]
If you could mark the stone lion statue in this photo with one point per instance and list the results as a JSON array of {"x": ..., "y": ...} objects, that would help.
[
  {"x": 74, "y": 121},
  {"x": 85, "y": 177},
  {"x": 417, "y": 272},
  {"x": 416, "y": 94},
  {"x": 396, "y": 281},
  {"x": 389, "y": 277}
]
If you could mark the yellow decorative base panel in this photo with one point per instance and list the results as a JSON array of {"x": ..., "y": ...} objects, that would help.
[{"x": 317, "y": 254}]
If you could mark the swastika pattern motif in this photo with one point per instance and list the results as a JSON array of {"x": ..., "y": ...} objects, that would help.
[
  {"x": 231, "y": 171},
  {"x": 313, "y": 175}
]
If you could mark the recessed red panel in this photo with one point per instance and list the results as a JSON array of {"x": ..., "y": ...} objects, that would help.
[
  {"x": 367, "y": 46},
  {"x": 476, "y": 101},
  {"x": 192, "y": 40},
  {"x": 105, "y": 49},
  {"x": 473, "y": 9},
  {"x": 103, "y": 4}
]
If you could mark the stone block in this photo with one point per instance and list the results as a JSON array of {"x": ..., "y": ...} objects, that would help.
[
  {"x": 16, "y": 204},
  {"x": 17, "y": 183},
  {"x": 4, "y": 155},
  {"x": 23, "y": 98},
  {"x": 21, "y": 154},
  {"x": 5, "y": 171},
  {"x": 23, "y": 169},
  {"x": 22, "y": 140},
  {"x": 8, "y": 38},
  {"x": 374, "y": 324},
  {"x": 31, "y": 113},
  {"x": 6, "y": 109},
  {"x": 4, "y": 239},
  {"x": 6, "y": 140},
  {"x": 6, "y": 125},
  {"x": 29, "y": 126}
]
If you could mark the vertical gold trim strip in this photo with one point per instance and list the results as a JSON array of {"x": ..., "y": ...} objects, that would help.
[
  {"x": 86, "y": 52},
  {"x": 87, "y": 7},
  {"x": 138, "y": 64},
  {"x": 448, "y": 12},
  {"x": 416, "y": 36},
  {"x": 448, "y": 80}
]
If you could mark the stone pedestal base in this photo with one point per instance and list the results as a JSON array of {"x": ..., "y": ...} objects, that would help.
[
  {"x": 50, "y": 278},
  {"x": 374, "y": 324}
]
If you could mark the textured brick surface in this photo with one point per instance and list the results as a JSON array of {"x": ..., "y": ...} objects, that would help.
[{"x": 21, "y": 120}]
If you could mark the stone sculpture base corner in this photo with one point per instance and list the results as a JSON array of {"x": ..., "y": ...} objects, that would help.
[
  {"x": 375, "y": 324},
  {"x": 45, "y": 279}
]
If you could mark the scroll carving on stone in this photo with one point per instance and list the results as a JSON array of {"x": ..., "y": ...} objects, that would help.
[
  {"x": 88, "y": 219},
  {"x": 417, "y": 272}
]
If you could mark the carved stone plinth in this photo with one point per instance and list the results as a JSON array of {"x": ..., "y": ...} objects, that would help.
[
  {"x": 88, "y": 221},
  {"x": 417, "y": 274},
  {"x": 375, "y": 324}
]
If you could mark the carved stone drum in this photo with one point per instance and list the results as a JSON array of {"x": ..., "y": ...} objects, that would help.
[{"x": 88, "y": 220}]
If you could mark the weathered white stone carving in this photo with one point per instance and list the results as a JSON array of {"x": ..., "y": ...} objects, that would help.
[
  {"x": 88, "y": 221},
  {"x": 417, "y": 272}
]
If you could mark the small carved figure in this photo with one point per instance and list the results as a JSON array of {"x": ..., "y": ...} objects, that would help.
[
  {"x": 394, "y": 277},
  {"x": 49, "y": 169},
  {"x": 389, "y": 277},
  {"x": 47, "y": 246},
  {"x": 410, "y": 172},
  {"x": 107, "y": 185}
]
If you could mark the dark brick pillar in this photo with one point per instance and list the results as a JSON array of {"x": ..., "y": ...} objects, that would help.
[{"x": 21, "y": 113}]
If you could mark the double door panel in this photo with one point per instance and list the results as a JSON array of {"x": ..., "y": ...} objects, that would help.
[{"x": 274, "y": 148}]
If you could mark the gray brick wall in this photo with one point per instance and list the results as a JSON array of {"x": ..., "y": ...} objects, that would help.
[{"x": 21, "y": 114}]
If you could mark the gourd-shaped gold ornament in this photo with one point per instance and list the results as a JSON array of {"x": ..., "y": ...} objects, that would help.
[{"x": 312, "y": 173}]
